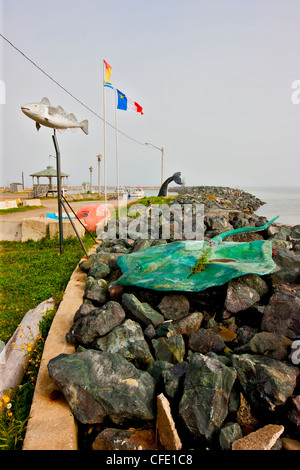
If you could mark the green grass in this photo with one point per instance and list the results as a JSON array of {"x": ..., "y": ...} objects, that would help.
[
  {"x": 19, "y": 209},
  {"x": 30, "y": 273}
]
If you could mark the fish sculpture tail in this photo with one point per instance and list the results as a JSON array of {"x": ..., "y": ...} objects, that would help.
[{"x": 84, "y": 126}]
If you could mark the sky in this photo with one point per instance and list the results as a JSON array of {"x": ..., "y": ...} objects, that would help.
[{"x": 214, "y": 78}]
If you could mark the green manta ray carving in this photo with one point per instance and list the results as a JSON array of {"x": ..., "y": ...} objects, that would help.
[{"x": 169, "y": 266}]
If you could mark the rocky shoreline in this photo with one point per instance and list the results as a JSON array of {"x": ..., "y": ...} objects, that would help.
[{"x": 205, "y": 369}]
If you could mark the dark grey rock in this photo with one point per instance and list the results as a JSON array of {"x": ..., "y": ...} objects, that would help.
[
  {"x": 229, "y": 433},
  {"x": 266, "y": 382},
  {"x": 243, "y": 292},
  {"x": 98, "y": 385},
  {"x": 128, "y": 341},
  {"x": 269, "y": 344},
  {"x": 282, "y": 315},
  {"x": 174, "y": 306},
  {"x": 141, "y": 310},
  {"x": 204, "y": 341},
  {"x": 207, "y": 386},
  {"x": 96, "y": 290},
  {"x": 169, "y": 349},
  {"x": 97, "y": 323}
]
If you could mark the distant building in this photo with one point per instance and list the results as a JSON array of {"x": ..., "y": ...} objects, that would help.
[{"x": 16, "y": 187}]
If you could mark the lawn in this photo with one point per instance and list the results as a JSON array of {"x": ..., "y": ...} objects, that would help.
[{"x": 30, "y": 273}]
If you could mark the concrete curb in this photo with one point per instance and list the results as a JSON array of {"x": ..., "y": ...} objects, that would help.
[{"x": 52, "y": 425}]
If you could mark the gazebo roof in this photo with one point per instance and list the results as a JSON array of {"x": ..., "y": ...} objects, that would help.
[{"x": 49, "y": 171}]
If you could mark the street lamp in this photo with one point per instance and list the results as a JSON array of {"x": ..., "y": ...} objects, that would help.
[
  {"x": 162, "y": 160},
  {"x": 91, "y": 173},
  {"x": 99, "y": 186}
]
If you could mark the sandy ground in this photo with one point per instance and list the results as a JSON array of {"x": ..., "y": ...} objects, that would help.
[{"x": 50, "y": 205}]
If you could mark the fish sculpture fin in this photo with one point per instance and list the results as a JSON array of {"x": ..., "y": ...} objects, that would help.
[
  {"x": 46, "y": 101},
  {"x": 60, "y": 108},
  {"x": 73, "y": 129},
  {"x": 38, "y": 126},
  {"x": 61, "y": 131},
  {"x": 72, "y": 117},
  {"x": 84, "y": 126}
]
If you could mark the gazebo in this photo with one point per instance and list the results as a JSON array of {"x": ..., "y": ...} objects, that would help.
[{"x": 44, "y": 189}]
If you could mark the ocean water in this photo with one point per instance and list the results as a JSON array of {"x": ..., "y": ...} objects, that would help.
[{"x": 284, "y": 202}]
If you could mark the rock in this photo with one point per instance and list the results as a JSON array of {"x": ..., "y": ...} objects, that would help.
[
  {"x": 125, "y": 439},
  {"x": 244, "y": 416},
  {"x": 171, "y": 378},
  {"x": 149, "y": 331},
  {"x": 266, "y": 382},
  {"x": 295, "y": 232},
  {"x": 96, "y": 290},
  {"x": 243, "y": 292},
  {"x": 290, "y": 444},
  {"x": 203, "y": 341},
  {"x": 174, "y": 306},
  {"x": 83, "y": 310},
  {"x": 286, "y": 259},
  {"x": 169, "y": 349},
  {"x": 262, "y": 439},
  {"x": 165, "y": 425},
  {"x": 2, "y": 345},
  {"x": 98, "y": 384},
  {"x": 128, "y": 341},
  {"x": 114, "y": 290},
  {"x": 141, "y": 310},
  {"x": 245, "y": 333},
  {"x": 207, "y": 386},
  {"x": 269, "y": 344},
  {"x": 188, "y": 324},
  {"x": 294, "y": 410},
  {"x": 229, "y": 433},
  {"x": 97, "y": 323},
  {"x": 99, "y": 270},
  {"x": 282, "y": 315},
  {"x": 87, "y": 263}
]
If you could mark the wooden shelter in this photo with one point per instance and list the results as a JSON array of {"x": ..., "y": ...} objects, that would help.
[{"x": 42, "y": 189}]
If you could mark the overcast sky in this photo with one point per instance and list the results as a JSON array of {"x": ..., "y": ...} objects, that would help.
[{"x": 214, "y": 78}]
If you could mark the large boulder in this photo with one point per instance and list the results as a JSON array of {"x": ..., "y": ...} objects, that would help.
[
  {"x": 207, "y": 386},
  {"x": 282, "y": 314},
  {"x": 95, "y": 324},
  {"x": 98, "y": 384},
  {"x": 266, "y": 382},
  {"x": 128, "y": 341},
  {"x": 243, "y": 292}
]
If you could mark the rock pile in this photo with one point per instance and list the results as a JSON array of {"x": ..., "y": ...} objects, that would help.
[{"x": 223, "y": 362}]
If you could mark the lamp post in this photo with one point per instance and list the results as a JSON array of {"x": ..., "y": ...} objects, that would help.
[
  {"x": 99, "y": 185},
  {"x": 162, "y": 159},
  {"x": 91, "y": 173}
]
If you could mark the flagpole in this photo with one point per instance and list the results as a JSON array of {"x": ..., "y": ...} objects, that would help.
[
  {"x": 104, "y": 144},
  {"x": 117, "y": 156}
]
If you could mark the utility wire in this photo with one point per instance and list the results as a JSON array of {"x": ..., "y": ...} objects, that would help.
[{"x": 68, "y": 92}]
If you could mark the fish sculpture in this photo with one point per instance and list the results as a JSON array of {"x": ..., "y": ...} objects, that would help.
[
  {"x": 171, "y": 266},
  {"x": 50, "y": 116}
]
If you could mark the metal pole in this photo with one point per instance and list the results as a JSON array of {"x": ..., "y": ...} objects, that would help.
[
  {"x": 91, "y": 174},
  {"x": 162, "y": 165},
  {"x": 104, "y": 143},
  {"x": 58, "y": 192},
  {"x": 73, "y": 225},
  {"x": 117, "y": 156},
  {"x": 79, "y": 220},
  {"x": 99, "y": 184}
]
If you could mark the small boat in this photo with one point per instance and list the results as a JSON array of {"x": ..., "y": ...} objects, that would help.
[
  {"x": 93, "y": 216},
  {"x": 136, "y": 193}
]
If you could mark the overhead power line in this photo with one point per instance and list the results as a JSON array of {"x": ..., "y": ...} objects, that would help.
[{"x": 67, "y": 91}]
